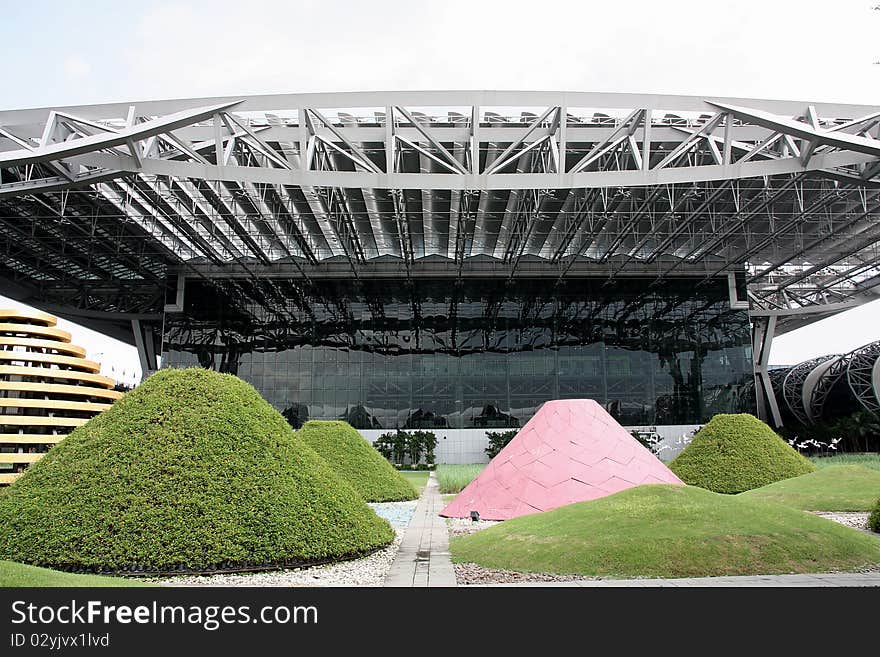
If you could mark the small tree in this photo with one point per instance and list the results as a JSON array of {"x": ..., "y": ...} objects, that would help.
[
  {"x": 414, "y": 446},
  {"x": 399, "y": 445},
  {"x": 384, "y": 445},
  {"x": 498, "y": 440}
]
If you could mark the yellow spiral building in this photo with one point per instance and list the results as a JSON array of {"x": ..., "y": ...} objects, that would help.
[{"x": 47, "y": 388}]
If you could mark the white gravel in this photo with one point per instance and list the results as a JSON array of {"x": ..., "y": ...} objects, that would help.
[
  {"x": 465, "y": 526},
  {"x": 367, "y": 571},
  {"x": 854, "y": 519}
]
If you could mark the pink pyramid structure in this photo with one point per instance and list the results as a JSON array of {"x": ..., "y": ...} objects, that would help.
[{"x": 572, "y": 450}]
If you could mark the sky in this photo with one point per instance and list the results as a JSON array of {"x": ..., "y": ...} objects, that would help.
[{"x": 66, "y": 53}]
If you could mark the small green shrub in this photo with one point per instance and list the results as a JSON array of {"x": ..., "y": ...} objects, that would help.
[
  {"x": 356, "y": 461},
  {"x": 874, "y": 519},
  {"x": 190, "y": 470},
  {"x": 736, "y": 453},
  {"x": 498, "y": 440}
]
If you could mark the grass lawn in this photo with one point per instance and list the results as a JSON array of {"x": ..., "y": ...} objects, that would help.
[
  {"x": 19, "y": 574},
  {"x": 418, "y": 478},
  {"x": 832, "y": 488},
  {"x": 664, "y": 530},
  {"x": 452, "y": 478},
  {"x": 865, "y": 460}
]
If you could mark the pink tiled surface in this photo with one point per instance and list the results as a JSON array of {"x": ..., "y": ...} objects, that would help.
[{"x": 572, "y": 450}]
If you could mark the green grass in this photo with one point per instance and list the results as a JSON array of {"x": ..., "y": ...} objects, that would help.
[
  {"x": 19, "y": 574},
  {"x": 865, "y": 460},
  {"x": 735, "y": 453},
  {"x": 192, "y": 468},
  {"x": 356, "y": 461},
  {"x": 418, "y": 479},
  {"x": 453, "y": 478},
  {"x": 832, "y": 488},
  {"x": 662, "y": 530}
]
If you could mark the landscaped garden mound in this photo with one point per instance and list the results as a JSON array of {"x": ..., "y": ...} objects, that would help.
[
  {"x": 663, "y": 530},
  {"x": 572, "y": 450},
  {"x": 192, "y": 470},
  {"x": 835, "y": 488},
  {"x": 736, "y": 453},
  {"x": 356, "y": 461}
]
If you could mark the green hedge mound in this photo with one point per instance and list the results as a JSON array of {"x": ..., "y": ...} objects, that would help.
[
  {"x": 736, "y": 453},
  {"x": 662, "y": 530},
  {"x": 356, "y": 461},
  {"x": 833, "y": 488},
  {"x": 192, "y": 470}
]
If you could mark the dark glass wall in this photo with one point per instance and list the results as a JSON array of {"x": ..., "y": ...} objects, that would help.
[{"x": 474, "y": 353}]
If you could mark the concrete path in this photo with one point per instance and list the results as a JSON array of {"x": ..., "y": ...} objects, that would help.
[
  {"x": 818, "y": 580},
  {"x": 423, "y": 557}
]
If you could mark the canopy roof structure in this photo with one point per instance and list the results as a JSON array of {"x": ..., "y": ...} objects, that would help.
[{"x": 100, "y": 205}]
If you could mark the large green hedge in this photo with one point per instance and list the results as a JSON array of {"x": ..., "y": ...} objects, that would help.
[
  {"x": 356, "y": 461},
  {"x": 191, "y": 470},
  {"x": 662, "y": 530},
  {"x": 736, "y": 453}
]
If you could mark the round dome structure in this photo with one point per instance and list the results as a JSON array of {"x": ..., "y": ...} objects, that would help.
[{"x": 47, "y": 388}]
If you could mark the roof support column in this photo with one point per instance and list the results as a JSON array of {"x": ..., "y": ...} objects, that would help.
[
  {"x": 145, "y": 341},
  {"x": 763, "y": 329}
]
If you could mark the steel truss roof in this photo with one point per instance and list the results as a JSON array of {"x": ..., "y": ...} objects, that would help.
[{"x": 100, "y": 204}]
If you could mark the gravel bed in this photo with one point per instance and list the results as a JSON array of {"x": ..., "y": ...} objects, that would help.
[
  {"x": 471, "y": 573},
  {"x": 367, "y": 571},
  {"x": 854, "y": 519},
  {"x": 465, "y": 526}
]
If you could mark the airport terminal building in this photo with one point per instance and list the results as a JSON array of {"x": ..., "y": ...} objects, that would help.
[{"x": 450, "y": 260}]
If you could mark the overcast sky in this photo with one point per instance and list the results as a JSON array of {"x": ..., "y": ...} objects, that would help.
[{"x": 63, "y": 53}]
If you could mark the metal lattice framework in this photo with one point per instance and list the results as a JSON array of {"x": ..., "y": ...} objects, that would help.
[
  {"x": 793, "y": 387},
  {"x": 863, "y": 376},
  {"x": 101, "y": 204},
  {"x": 825, "y": 385}
]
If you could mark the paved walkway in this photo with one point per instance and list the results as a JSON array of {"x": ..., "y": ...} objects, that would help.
[
  {"x": 423, "y": 557},
  {"x": 821, "y": 580}
]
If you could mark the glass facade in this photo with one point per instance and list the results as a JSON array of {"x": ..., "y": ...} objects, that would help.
[{"x": 482, "y": 353}]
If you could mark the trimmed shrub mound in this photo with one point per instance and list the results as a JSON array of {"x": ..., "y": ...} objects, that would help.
[
  {"x": 736, "y": 453},
  {"x": 835, "y": 488},
  {"x": 192, "y": 470},
  {"x": 663, "y": 530},
  {"x": 356, "y": 461}
]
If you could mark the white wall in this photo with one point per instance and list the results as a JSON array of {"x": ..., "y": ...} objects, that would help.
[
  {"x": 453, "y": 445},
  {"x": 467, "y": 445}
]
